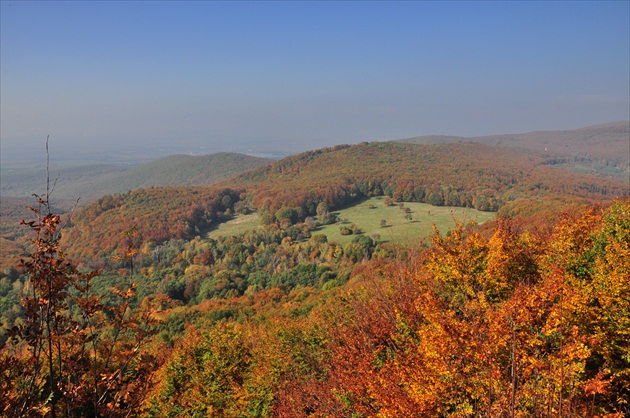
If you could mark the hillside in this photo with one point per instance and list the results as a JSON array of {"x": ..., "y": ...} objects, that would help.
[
  {"x": 158, "y": 214},
  {"x": 278, "y": 328},
  {"x": 290, "y": 190},
  {"x": 176, "y": 170},
  {"x": 462, "y": 174},
  {"x": 13, "y": 242},
  {"x": 90, "y": 182},
  {"x": 606, "y": 146}
]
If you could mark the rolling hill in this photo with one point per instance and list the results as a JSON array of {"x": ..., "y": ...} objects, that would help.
[
  {"x": 176, "y": 170},
  {"x": 463, "y": 175},
  {"x": 26, "y": 180},
  {"x": 457, "y": 174},
  {"x": 528, "y": 181},
  {"x": 90, "y": 182},
  {"x": 604, "y": 148}
]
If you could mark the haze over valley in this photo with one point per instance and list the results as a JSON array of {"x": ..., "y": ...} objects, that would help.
[{"x": 283, "y": 78}]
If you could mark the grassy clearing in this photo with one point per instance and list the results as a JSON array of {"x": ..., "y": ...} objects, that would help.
[
  {"x": 235, "y": 226},
  {"x": 368, "y": 214}
]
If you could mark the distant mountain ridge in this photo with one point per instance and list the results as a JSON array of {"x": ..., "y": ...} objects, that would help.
[
  {"x": 181, "y": 170},
  {"x": 607, "y": 143},
  {"x": 93, "y": 181}
]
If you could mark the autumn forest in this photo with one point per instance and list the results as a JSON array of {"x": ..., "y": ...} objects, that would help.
[{"x": 129, "y": 305}]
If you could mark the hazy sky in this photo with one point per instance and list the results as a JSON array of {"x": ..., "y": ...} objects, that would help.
[{"x": 292, "y": 76}]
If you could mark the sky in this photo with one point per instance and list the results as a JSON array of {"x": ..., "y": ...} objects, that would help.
[{"x": 109, "y": 77}]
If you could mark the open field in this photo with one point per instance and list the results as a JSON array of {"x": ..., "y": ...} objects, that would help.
[
  {"x": 235, "y": 226},
  {"x": 368, "y": 215}
]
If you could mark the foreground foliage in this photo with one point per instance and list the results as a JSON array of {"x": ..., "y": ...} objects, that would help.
[
  {"x": 514, "y": 321},
  {"x": 71, "y": 355},
  {"x": 520, "y": 323}
]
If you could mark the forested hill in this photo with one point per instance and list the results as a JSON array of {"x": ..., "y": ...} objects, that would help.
[
  {"x": 606, "y": 144},
  {"x": 179, "y": 170},
  {"x": 464, "y": 174},
  {"x": 93, "y": 181}
]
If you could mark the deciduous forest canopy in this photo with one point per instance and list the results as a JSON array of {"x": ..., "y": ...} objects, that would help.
[
  {"x": 315, "y": 209},
  {"x": 130, "y": 306}
]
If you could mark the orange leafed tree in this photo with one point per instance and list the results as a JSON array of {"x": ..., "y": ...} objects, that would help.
[
  {"x": 522, "y": 323},
  {"x": 72, "y": 355}
]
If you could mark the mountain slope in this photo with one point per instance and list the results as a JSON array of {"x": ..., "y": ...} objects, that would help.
[
  {"x": 462, "y": 174},
  {"x": 91, "y": 182},
  {"x": 607, "y": 144}
]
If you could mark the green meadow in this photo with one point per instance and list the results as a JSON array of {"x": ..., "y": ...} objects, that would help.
[
  {"x": 373, "y": 218},
  {"x": 235, "y": 226},
  {"x": 370, "y": 214}
]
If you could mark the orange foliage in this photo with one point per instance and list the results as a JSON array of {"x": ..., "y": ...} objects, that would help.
[{"x": 515, "y": 325}]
